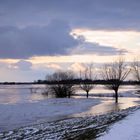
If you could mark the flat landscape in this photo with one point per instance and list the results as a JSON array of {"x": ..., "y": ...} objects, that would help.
[
  {"x": 69, "y": 69},
  {"x": 22, "y": 110}
]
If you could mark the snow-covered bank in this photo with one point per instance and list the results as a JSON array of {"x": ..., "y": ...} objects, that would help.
[
  {"x": 74, "y": 128},
  {"x": 17, "y": 115},
  {"x": 127, "y": 129}
]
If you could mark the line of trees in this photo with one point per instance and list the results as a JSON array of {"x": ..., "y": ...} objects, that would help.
[{"x": 114, "y": 73}]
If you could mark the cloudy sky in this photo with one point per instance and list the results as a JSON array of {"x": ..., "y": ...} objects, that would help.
[{"x": 41, "y": 36}]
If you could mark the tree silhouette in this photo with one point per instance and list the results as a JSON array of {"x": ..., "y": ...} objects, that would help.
[
  {"x": 136, "y": 69},
  {"x": 87, "y": 83},
  {"x": 115, "y": 73},
  {"x": 60, "y": 84}
]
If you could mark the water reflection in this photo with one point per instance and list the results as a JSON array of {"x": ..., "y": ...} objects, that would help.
[
  {"x": 108, "y": 105},
  {"x": 102, "y": 91},
  {"x": 22, "y": 94},
  {"x": 37, "y": 97},
  {"x": 11, "y": 94},
  {"x": 137, "y": 92},
  {"x": 14, "y": 94}
]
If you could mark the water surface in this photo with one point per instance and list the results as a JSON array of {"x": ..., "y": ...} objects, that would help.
[{"x": 11, "y": 95}]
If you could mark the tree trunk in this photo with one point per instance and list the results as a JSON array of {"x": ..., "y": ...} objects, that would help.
[
  {"x": 116, "y": 96},
  {"x": 87, "y": 94},
  {"x": 68, "y": 95}
]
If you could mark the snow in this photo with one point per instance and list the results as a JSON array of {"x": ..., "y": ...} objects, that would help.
[
  {"x": 22, "y": 114},
  {"x": 127, "y": 129}
]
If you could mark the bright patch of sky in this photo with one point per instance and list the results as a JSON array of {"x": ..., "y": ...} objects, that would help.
[{"x": 129, "y": 40}]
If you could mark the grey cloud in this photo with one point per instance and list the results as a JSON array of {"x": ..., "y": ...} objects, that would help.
[
  {"x": 107, "y": 14},
  {"x": 23, "y": 65},
  {"x": 42, "y": 35},
  {"x": 95, "y": 48},
  {"x": 53, "y": 39}
]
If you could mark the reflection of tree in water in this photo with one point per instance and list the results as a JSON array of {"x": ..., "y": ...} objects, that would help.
[
  {"x": 115, "y": 106},
  {"x": 138, "y": 90},
  {"x": 46, "y": 94}
]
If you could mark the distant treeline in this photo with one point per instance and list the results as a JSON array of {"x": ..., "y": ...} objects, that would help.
[
  {"x": 79, "y": 81},
  {"x": 74, "y": 81}
]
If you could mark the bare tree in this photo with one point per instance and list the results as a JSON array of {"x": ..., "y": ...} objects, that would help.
[
  {"x": 87, "y": 83},
  {"x": 61, "y": 84},
  {"x": 115, "y": 73},
  {"x": 136, "y": 69}
]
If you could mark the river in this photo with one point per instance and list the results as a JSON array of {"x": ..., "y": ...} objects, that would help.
[{"x": 12, "y": 97}]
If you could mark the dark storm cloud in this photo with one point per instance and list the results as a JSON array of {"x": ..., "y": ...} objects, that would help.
[
  {"x": 29, "y": 27},
  {"x": 53, "y": 39},
  {"x": 107, "y": 14}
]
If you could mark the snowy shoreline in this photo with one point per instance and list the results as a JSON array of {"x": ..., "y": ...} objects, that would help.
[{"x": 74, "y": 128}]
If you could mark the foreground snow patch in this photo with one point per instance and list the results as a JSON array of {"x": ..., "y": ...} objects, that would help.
[
  {"x": 127, "y": 129},
  {"x": 13, "y": 116}
]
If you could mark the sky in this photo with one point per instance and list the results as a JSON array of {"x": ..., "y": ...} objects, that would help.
[{"x": 38, "y": 37}]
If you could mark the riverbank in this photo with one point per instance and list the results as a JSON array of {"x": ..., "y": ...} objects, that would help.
[{"x": 74, "y": 128}]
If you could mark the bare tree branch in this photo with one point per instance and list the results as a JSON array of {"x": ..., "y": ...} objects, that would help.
[
  {"x": 136, "y": 69},
  {"x": 115, "y": 73},
  {"x": 63, "y": 86},
  {"x": 86, "y": 77}
]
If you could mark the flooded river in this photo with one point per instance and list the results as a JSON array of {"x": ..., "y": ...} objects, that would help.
[{"x": 12, "y": 97}]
